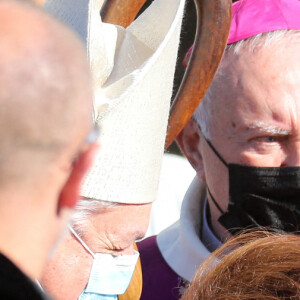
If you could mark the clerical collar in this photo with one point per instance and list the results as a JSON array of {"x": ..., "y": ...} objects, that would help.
[{"x": 208, "y": 238}]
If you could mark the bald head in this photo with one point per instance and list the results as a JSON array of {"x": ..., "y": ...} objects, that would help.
[{"x": 45, "y": 95}]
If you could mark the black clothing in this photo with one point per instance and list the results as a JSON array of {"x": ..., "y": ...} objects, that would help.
[{"x": 15, "y": 285}]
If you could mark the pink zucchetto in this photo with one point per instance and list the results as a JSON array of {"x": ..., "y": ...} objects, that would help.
[{"x": 252, "y": 17}]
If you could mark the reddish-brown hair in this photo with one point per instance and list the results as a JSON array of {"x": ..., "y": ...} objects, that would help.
[{"x": 257, "y": 265}]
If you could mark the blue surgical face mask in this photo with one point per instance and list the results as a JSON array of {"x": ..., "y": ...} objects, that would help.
[{"x": 110, "y": 275}]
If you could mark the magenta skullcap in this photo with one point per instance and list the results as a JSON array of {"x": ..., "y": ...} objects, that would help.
[{"x": 252, "y": 17}]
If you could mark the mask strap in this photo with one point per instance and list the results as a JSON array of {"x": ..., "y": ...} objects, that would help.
[
  {"x": 215, "y": 202},
  {"x": 210, "y": 145},
  {"x": 226, "y": 165},
  {"x": 85, "y": 246},
  {"x": 215, "y": 151},
  {"x": 221, "y": 159}
]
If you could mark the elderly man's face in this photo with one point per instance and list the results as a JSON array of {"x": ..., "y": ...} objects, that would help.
[
  {"x": 255, "y": 117},
  {"x": 114, "y": 230},
  {"x": 110, "y": 230}
]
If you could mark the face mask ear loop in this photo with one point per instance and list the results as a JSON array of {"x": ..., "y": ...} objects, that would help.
[
  {"x": 215, "y": 202},
  {"x": 210, "y": 144},
  {"x": 221, "y": 159},
  {"x": 81, "y": 241},
  {"x": 215, "y": 151},
  {"x": 226, "y": 165}
]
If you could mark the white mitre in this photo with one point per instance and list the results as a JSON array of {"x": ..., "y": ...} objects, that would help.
[{"x": 133, "y": 70}]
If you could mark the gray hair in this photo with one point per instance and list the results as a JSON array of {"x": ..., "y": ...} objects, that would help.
[
  {"x": 203, "y": 114},
  {"x": 85, "y": 208}
]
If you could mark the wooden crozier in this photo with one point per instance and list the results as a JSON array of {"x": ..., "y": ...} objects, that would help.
[{"x": 213, "y": 24}]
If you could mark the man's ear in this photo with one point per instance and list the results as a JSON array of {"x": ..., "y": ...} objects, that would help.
[
  {"x": 189, "y": 142},
  {"x": 70, "y": 192}
]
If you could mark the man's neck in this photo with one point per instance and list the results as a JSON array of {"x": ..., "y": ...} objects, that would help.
[
  {"x": 26, "y": 251},
  {"x": 220, "y": 232},
  {"x": 208, "y": 237},
  {"x": 26, "y": 229}
]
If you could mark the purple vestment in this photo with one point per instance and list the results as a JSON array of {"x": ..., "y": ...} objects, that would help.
[{"x": 161, "y": 282}]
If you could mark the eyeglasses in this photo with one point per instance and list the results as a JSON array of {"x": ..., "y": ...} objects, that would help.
[
  {"x": 93, "y": 134},
  {"x": 91, "y": 138}
]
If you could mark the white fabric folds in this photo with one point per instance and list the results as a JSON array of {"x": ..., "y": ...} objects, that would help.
[{"x": 133, "y": 70}]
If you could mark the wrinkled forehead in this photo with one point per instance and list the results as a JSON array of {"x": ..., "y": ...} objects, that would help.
[
  {"x": 270, "y": 62},
  {"x": 267, "y": 77}
]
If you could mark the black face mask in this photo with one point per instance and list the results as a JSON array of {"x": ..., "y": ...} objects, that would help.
[{"x": 261, "y": 197}]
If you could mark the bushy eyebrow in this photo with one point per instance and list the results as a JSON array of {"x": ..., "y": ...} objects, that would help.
[{"x": 267, "y": 128}]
